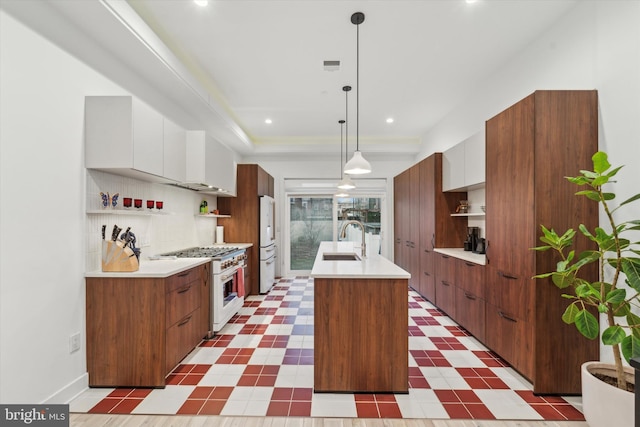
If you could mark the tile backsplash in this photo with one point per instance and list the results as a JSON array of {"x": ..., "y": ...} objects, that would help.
[{"x": 174, "y": 227}]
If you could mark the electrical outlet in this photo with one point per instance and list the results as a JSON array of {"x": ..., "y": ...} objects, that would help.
[{"x": 74, "y": 342}]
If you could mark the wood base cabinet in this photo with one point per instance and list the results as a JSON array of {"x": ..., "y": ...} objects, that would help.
[
  {"x": 530, "y": 148},
  {"x": 139, "y": 329},
  {"x": 470, "y": 297},
  {"x": 360, "y": 335}
]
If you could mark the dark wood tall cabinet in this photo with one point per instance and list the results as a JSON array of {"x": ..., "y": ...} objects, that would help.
[
  {"x": 530, "y": 148},
  {"x": 423, "y": 221},
  {"x": 243, "y": 226}
]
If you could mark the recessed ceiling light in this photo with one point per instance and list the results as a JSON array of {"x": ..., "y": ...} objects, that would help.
[
  {"x": 390, "y": 120},
  {"x": 268, "y": 121},
  {"x": 471, "y": 1},
  {"x": 201, "y": 3}
]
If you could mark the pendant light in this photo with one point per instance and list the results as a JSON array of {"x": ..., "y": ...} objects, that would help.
[
  {"x": 345, "y": 183},
  {"x": 357, "y": 165}
]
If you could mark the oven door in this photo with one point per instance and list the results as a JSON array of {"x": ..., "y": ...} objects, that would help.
[
  {"x": 228, "y": 283},
  {"x": 225, "y": 300}
]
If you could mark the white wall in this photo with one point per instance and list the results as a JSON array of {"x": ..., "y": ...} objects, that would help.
[
  {"x": 595, "y": 46},
  {"x": 48, "y": 241}
]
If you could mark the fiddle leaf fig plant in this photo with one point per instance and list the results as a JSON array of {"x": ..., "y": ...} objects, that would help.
[{"x": 618, "y": 258}]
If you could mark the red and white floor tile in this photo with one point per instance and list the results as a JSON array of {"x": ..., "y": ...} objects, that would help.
[{"x": 261, "y": 364}]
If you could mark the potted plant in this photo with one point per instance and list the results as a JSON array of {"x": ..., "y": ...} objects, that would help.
[{"x": 618, "y": 259}]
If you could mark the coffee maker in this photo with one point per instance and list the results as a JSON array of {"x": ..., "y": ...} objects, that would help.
[{"x": 473, "y": 235}]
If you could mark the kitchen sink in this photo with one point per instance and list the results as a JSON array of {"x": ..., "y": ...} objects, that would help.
[{"x": 340, "y": 256}]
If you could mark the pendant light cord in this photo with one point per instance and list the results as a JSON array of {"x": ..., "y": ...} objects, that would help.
[{"x": 357, "y": 87}]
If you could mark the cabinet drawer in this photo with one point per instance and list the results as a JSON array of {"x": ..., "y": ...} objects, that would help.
[
  {"x": 182, "y": 337},
  {"x": 511, "y": 292},
  {"x": 182, "y": 301},
  {"x": 470, "y": 277},
  {"x": 179, "y": 279},
  {"x": 445, "y": 297},
  {"x": 445, "y": 268},
  {"x": 470, "y": 313}
]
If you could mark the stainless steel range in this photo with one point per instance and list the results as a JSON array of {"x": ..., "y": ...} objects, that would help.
[{"x": 227, "y": 284}]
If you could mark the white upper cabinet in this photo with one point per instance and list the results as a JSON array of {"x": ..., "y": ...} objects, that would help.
[
  {"x": 463, "y": 166},
  {"x": 211, "y": 166},
  {"x": 175, "y": 151},
  {"x": 124, "y": 136}
]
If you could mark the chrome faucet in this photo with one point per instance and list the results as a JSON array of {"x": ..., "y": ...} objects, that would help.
[{"x": 343, "y": 234}]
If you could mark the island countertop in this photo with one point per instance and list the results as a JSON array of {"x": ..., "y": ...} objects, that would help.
[{"x": 374, "y": 266}]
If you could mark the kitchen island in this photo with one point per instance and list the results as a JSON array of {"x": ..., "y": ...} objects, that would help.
[{"x": 360, "y": 322}]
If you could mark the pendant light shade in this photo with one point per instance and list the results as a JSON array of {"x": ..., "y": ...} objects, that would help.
[
  {"x": 346, "y": 184},
  {"x": 357, "y": 165}
]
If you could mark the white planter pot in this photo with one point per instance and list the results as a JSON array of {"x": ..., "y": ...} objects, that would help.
[{"x": 604, "y": 405}]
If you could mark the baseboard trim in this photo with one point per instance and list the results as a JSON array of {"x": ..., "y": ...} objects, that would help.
[{"x": 69, "y": 392}]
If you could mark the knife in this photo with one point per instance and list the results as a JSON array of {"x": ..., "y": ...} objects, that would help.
[
  {"x": 104, "y": 228},
  {"x": 115, "y": 232}
]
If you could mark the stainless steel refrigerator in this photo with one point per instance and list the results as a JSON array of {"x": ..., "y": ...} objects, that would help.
[{"x": 267, "y": 243}]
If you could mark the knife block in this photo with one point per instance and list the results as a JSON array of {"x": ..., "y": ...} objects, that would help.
[{"x": 117, "y": 257}]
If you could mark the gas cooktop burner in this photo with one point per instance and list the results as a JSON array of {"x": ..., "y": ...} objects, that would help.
[{"x": 203, "y": 252}]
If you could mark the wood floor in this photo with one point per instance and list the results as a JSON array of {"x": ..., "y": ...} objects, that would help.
[{"x": 107, "y": 420}]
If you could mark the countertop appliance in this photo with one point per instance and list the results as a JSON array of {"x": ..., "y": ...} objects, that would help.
[
  {"x": 473, "y": 234},
  {"x": 267, "y": 243},
  {"x": 227, "y": 282}
]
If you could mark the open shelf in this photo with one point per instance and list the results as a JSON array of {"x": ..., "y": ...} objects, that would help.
[
  {"x": 470, "y": 214},
  {"x": 213, "y": 216},
  {"x": 138, "y": 212}
]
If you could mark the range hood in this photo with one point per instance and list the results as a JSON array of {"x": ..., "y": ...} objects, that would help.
[{"x": 211, "y": 166}]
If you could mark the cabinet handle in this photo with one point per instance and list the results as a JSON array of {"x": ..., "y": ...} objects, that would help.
[
  {"x": 185, "y": 289},
  {"x": 445, "y": 256},
  {"x": 445, "y": 283},
  {"x": 506, "y": 276},
  {"x": 185, "y": 321},
  {"x": 433, "y": 245},
  {"x": 470, "y": 296},
  {"x": 504, "y": 316},
  {"x": 469, "y": 264},
  {"x": 427, "y": 274},
  {"x": 427, "y": 251},
  {"x": 186, "y": 273}
]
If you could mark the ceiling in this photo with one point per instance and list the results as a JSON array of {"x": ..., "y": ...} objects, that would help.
[{"x": 231, "y": 65}]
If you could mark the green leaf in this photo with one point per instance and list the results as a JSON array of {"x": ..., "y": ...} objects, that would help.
[
  {"x": 630, "y": 347},
  {"x": 631, "y": 268},
  {"x": 587, "y": 324},
  {"x": 569, "y": 315},
  {"x": 634, "y": 321},
  {"x": 602, "y": 308},
  {"x": 608, "y": 196},
  {"x": 593, "y": 195},
  {"x": 631, "y": 199},
  {"x": 562, "y": 281},
  {"x": 578, "y": 180},
  {"x": 613, "y": 335},
  {"x": 600, "y": 162},
  {"x": 613, "y": 173},
  {"x": 616, "y": 296}
]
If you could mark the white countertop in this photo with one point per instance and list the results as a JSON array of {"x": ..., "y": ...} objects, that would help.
[
  {"x": 464, "y": 255},
  {"x": 162, "y": 268},
  {"x": 159, "y": 268},
  {"x": 374, "y": 266}
]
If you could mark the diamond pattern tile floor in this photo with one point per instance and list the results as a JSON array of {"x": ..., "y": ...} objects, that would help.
[{"x": 261, "y": 364}]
